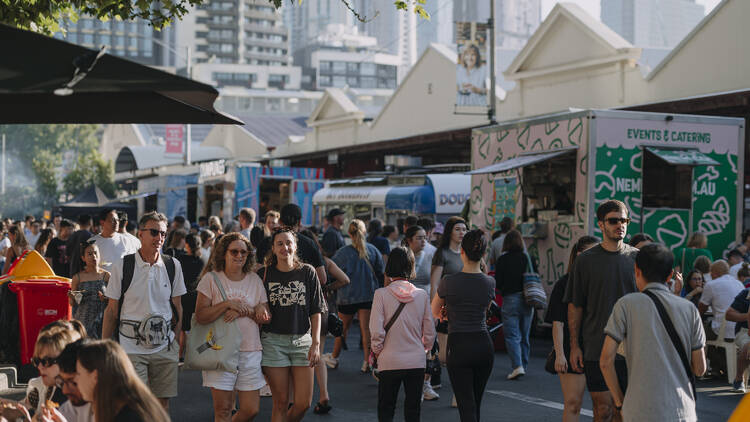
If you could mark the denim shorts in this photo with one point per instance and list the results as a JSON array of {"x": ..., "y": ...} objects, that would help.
[{"x": 284, "y": 350}]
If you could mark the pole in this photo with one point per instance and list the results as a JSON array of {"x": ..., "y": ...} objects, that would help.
[
  {"x": 3, "y": 167},
  {"x": 189, "y": 138},
  {"x": 491, "y": 26}
]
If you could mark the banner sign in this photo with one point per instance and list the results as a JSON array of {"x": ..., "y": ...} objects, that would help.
[
  {"x": 471, "y": 70},
  {"x": 174, "y": 139}
]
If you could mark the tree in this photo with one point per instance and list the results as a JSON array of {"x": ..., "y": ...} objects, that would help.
[
  {"x": 91, "y": 169},
  {"x": 45, "y": 15}
]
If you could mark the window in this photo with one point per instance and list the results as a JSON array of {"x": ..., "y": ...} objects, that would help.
[
  {"x": 339, "y": 67},
  {"x": 88, "y": 23},
  {"x": 134, "y": 42},
  {"x": 227, "y": 48},
  {"x": 326, "y": 66},
  {"x": 549, "y": 185},
  {"x": 352, "y": 67},
  {"x": 368, "y": 82},
  {"x": 352, "y": 81},
  {"x": 324, "y": 81},
  {"x": 88, "y": 38},
  {"x": 339, "y": 81},
  {"x": 277, "y": 81},
  {"x": 273, "y": 104},
  {"x": 368, "y": 69},
  {"x": 104, "y": 39},
  {"x": 673, "y": 186}
]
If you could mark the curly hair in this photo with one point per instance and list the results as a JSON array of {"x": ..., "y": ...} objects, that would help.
[
  {"x": 217, "y": 260},
  {"x": 270, "y": 259}
]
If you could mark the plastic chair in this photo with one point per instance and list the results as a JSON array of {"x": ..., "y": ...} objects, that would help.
[{"x": 730, "y": 349}]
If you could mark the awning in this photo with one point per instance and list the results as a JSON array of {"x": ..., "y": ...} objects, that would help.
[
  {"x": 46, "y": 80},
  {"x": 452, "y": 190},
  {"x": 683, "y": 157},
  {"x": 523, "y": 161},
  {"x": 363, "y": 194}
]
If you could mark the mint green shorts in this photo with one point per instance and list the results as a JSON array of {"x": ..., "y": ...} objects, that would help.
[{"x": 283, "y": 350}]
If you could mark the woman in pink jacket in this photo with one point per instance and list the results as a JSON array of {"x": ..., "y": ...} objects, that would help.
[{"x": 400, "y": 350}]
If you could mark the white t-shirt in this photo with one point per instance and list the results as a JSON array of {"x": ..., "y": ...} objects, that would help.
[
  {"x": 735, "y": 269},
  {"x": 205, "y": 254},
  {"x": 720, "y": 294},
  {"x": 111, "y": 249},
  {"x": 32, "y": 238},
  {"x": 77, "y": 413},
  {"x": 149, "y": 294},
  {"x": 4, "y": 244},
  {"x": 422, "y": 268},
  {"x": 249, "y": 290}
]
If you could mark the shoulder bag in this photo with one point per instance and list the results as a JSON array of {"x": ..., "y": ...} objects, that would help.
[
  {"x": 214, "y": 346},
  {"x": 676, "y": 342},
  {"x": 533, "y": 292},
  {"x": 374, "y": 359}
]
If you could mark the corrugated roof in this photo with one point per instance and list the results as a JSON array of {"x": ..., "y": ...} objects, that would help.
[
  {"x": 151, "y": 132},
  {"x": 275, "y": 130},
  {"x": 143, "y": 157}
]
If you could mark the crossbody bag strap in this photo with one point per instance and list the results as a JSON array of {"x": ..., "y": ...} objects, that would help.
[
  {"x": 219, "y": 285},
  {"x": 530, "y": 269},
  {"x": 395, "y": 316},
  {"x": 683, "y": 260},
  {"x": 676, "y": 342}
]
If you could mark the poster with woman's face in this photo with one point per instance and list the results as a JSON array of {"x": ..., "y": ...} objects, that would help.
[{"x": 471, "y": 70}]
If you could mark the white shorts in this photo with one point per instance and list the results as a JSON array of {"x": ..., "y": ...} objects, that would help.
[
  {"x": 742, "y": 338},
  {"x": 248, "y": 378}
]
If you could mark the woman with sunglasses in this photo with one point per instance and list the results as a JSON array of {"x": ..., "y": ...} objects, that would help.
[
  {"x": 291, "y": 341},
  {"x": 231, "y": 265},
  {"x": 87, "y": 291},
  {"x": 18, "y": 245}
]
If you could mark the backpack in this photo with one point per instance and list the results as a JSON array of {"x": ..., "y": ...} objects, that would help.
[{"x": 128, "y": 268}]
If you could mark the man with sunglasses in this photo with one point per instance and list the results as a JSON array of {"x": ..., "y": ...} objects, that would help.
[
  {"x": 113, "y": 245},
  {"x": 600, "y": 276},
  {"x": 146, "y": 313},
  {"x": 76, "y": 409}
]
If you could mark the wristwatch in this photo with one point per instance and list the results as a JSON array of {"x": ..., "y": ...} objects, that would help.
[{"x": 619, "y": 408}]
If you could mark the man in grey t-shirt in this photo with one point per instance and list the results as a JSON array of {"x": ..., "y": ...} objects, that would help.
[
  {"x": 600, "y": 276},
  {"x": 662, "y": 387}
]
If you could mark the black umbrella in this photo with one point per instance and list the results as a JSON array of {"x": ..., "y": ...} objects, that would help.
[{"x": 46, "y": 80}]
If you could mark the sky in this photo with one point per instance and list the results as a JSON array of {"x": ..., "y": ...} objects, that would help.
[{"x": 593, "y": 6}]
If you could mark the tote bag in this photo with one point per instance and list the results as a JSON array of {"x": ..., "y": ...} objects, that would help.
[
  {"x": 533, "y": 292},
  {"x": 214, "y": 346}
]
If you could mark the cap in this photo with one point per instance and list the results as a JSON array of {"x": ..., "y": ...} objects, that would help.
[{"x": 334, "y": 212}]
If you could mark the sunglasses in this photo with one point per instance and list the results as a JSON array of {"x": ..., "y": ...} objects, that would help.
[
  {"x": 155, "y": 233},
  {"x": 238, "y": 252},
  {"x": 615, "y": 220},
  {"x": 47, "y": 362},
  {"x": 59, "y": 382}
]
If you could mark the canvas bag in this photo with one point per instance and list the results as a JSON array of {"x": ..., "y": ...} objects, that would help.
[
  {"x": 214, "y": 346},
  {"x": 533, "y": 292}
]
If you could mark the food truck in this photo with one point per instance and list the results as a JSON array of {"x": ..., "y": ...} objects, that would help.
[
  {"x": 390, "y": 197},
  {"x": 677, "y": 174}
]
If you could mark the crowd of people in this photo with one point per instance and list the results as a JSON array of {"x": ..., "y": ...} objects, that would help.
[{"x": 420, "y": 294}]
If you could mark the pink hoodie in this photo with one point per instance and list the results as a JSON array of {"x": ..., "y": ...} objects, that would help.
[{"x": 410, "y": 336}]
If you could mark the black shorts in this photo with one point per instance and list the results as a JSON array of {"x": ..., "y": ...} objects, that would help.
[
  {"x": 595, "y": 379},
  {"x": 352, "y": 309}
]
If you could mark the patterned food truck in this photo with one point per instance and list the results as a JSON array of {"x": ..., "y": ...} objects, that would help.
[{"x": 677, "y": 174}]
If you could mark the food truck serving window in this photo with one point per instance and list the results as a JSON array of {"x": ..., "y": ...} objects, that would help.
[
  {"x": 549, "y": 186},
  {"x": 668, "y": 176}
]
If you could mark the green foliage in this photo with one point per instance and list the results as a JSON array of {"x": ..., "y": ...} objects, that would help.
[
  {"x": 91, "y": 169},
  {"x": 44, "y": 16},
  {"x": 44, "y": 165}
]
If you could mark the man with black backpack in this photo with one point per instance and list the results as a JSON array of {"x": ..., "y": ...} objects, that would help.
[
  {"x": 664, "y": 340},
  {"x": 145, "y": 308}
]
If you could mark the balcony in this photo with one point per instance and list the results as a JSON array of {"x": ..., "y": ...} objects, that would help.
[{"x": 281, "y": 30}]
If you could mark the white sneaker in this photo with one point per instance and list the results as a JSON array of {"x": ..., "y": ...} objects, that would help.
[
  {"x": 516, "y": 373},
  {"x": 265, "y": 391},
  {"x": 329, "y": 360},
  {"x": 365, "y": 367},
  {"x": 428, "y": 393},
  {"x": 454, "y": 403}
]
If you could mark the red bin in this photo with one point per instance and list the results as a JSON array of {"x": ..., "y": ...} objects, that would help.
[{"x": 39, "y": 303}]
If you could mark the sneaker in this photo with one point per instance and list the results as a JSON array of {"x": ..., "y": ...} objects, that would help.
[
  {"x": 265, "y": 391},
  {"x": 516, "y": 373},
  {"x": 454, "y": 403},
  {"x": 365, "y": 367},
  {"x": 428, "y": 393},
  {"x": 738, "y": 387},
  {"x": 329, "y": 360}
]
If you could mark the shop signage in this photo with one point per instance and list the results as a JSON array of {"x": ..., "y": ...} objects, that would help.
[
  {"x": 173, "y": 139},
  {"x": 212, "y": 169}
]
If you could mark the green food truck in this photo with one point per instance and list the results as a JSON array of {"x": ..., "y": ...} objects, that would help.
[{"x": 677, "y": 174}]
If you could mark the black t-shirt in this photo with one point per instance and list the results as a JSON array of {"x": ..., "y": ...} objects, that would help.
[
  {"x": 333, "y": 240},
  {"x": 73, "y": 249},
  {"x": 307, "y": 250},
  {"x": 598, "y": 279},
  {"x": 467, "y": 296},
  {"x": 557, "y": 310},
  {"x": 741, "y": 304},
  {"x": 127, "y": 414},
  {"x": 509, "y": 270},
  {"x": 191, "y": 269},
  {"x": 382, "y": 244},
  {"x": 57, "y": 251},
  {"x": 293, "y": 297}
]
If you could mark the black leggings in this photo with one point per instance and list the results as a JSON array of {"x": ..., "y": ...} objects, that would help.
[
  {"x": 388, "y": 386},
  {"x": 470, "y": 360}
]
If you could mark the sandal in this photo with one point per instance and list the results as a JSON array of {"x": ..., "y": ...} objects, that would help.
[{"x": 322, "y": 408}]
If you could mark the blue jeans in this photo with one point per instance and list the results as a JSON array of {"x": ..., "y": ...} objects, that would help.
[{"x": 516, "y": 326}]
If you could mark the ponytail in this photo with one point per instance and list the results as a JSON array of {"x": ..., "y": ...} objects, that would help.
[{"x": 357, "y": 233}]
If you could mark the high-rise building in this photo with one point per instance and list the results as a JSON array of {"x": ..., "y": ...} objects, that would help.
[
  {"x": 236, "y": 31},
  {"x": 652, "y": 23},
  {"x": 515, "y": 20},
  {"x": 135, "y": 40}
]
